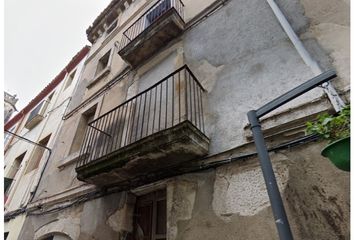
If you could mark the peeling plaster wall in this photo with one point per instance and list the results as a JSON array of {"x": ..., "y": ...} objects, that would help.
[
  {"x": 103, "y": 218},
  {"x": 245, "y": 61},
  {"x": 242, "y": 189},
  {"x": 243, "y": 58},
  {"x": 231, "y": 202},
  {"x": 226, "y": 203},
  {"x": 13, "y": 228},
  {"x": 324, "y": 26},
  {"x": 26, "y": 178}
]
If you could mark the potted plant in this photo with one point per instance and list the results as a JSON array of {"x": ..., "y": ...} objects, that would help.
[{"x": 336, "y": 129}]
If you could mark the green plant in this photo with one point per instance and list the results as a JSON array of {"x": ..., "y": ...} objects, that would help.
[{"x": 331, "y": 127}]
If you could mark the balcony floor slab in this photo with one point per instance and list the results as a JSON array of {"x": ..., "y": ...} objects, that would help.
[
  {"x": 161, "y": 150},
  {"x": 153, "y": 38}
]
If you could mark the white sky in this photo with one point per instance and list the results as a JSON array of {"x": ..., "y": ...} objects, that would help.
[{"x": 41, "y": 37}]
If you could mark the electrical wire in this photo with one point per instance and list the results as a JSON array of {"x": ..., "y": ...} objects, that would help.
[
  {"x": 99, "y": 193},
  {"x": 27, "y": 140}
]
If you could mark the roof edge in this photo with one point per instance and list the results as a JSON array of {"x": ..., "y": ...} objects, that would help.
[{"x": 55, "y": 82}]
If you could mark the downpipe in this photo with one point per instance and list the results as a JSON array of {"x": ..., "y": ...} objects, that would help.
[
  {"x": 274, "y": 195},
  {"x": 328, "y": 88},
  {"x": 281, "y": 220}
]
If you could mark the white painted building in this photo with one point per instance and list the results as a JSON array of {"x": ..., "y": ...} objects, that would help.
[{"x": 31, "y": 134}]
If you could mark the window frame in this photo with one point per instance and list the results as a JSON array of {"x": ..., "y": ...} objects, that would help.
[
  {"x": 102, "y": 70},
  {"x": 151, "y": 199},
  {"x": 70, "y": 79},
  {"x": 37, "y": 154},
  {"x": 87, "y": 116}
]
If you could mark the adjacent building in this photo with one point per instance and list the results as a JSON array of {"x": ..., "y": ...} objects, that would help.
[
  {"x": 9, "y": 105},
  {"x": 31, "y": 137},
  {"x": 155, "y": 142}
]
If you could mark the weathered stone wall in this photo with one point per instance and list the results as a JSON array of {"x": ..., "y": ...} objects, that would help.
[
  {"x": 90, "y": 220},
  {"x": 224, "y": 203},
  {"x": 243, "y": 58},
  {"x": 232, "y": 202},
  {"x": 324, "y": 27}
]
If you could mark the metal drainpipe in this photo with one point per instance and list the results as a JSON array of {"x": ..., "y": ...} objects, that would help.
[
  {"x": 276, "y": 202},
  {"x": 328, "y": 88}
]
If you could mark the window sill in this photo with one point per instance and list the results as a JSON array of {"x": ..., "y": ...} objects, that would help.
[{"x": 103, "y": 73}]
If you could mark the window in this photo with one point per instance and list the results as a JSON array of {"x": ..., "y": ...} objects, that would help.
[
  {"x": 36, "y": 111},
  {"x": 38, "y": 154},
  {"x": 103, "y": 62},
  {"x": 70, "y": 80},
  {"x": 51, "y": 96},
  {"x": 37, "y": 114},
  {"x": 150, "y": 216},
  {"x": 157, "y": 11},
  {"x": 6, "y": 235},
  {"x": 7, "y": 184},
  {"x": 15, "y": 166},
  {"x": 13, "y": 171},
  {"x": 7, "y": 136},
  {"x": 112, "y": 26},
  {"x": 86, "y": 117}
]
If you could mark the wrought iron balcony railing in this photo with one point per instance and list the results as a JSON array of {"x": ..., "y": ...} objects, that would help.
[
  {"x": 172, "y": 100},
  {"x": 149, "y": 17}
]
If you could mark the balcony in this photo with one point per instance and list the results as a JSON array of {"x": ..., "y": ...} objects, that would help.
[
  {"x": 154, "y": 130},
  {"x": 37, "y": 115},
  {"x": 153, "y": 30}
]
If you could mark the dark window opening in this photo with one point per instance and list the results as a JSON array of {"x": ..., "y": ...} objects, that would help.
[
  {"x": 38, "y": 154},
  {"x": 112, "y": 26},
  {"x": 70, "y": 80},
  {"x": 49, "y": 238},
  {"x": 6, "y": 235},
  {"x": 50, "y": 97},
  {"x": 7, "y": 184},
  {"x": 103, "y": 62},
  {"x": 86, "y": 118},
  {"x": 150, "y": 216},
  {"x": 15, "y": 166}
]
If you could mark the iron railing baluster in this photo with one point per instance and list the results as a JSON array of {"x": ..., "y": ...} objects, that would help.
[
  {"x": 120, "y": 126},
  {"x": 154, "y": 13}
]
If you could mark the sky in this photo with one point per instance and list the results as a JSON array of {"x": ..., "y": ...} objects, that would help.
[{"x": 40, "y": 38}]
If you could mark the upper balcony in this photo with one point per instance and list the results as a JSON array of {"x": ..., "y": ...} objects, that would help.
[
  {"x": 153, "y": 30},
  {"x": 37, "y": 115},
  {"x": 154, "y": 130}
]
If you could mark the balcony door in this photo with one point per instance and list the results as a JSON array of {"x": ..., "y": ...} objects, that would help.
[
  {"x": 150, "y": 216},
  {"x": 157, "y": 11}
]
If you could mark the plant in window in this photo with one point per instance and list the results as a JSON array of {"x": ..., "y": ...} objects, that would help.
[{"x": 336, "y": 129}]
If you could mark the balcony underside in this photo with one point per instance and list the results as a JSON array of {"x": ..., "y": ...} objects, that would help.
[
  {"x": 154, "y": 37},
  {"x": 161, "y": 150},
  {"x": 34, "y": 121}
]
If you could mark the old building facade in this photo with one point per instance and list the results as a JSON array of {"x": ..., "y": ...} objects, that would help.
[
  {"x": 155, "y": 143},
  {"x": 31, "y": 136},
  {"x": 9, "y": 105}
]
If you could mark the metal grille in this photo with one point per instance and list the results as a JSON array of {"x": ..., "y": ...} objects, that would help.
[
  {"x": 172, "y": 100},
  {"x": 149, "y": 17}
]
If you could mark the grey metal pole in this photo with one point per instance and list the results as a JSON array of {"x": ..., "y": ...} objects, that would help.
[{"x": 281, "y": 220}]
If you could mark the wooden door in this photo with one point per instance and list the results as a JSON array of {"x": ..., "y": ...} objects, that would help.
[{"x": 150, "y": 216}]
